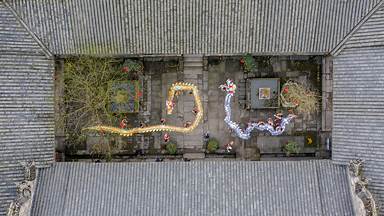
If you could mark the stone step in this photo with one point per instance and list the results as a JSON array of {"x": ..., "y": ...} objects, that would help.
[
  {"x": 193, "y": 71},
  {"x": 193, "y": 64},
  {"x": 191, "y": 57},
  {"x": 194, "y": 156},
  {"x": 190, "y": 76},
  {"x": 192, "y": 145},
  {"x": 195, "y": 136}
]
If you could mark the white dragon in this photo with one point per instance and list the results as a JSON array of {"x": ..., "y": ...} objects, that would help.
[{"x": 230, "y": 89}]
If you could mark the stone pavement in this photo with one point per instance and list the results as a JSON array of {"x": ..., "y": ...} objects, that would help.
[
  {"x": 217, "y": 75},
  {"x": 193, "y": 73}
]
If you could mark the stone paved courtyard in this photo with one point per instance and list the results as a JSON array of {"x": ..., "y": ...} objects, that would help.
[{"x": 208, "y": 73}]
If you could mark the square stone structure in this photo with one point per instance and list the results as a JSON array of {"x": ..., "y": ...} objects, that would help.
[
  {"x": 129, "y": 94},
  {"x": 273, "y": 84}
]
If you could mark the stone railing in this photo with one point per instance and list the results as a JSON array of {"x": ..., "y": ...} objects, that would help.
[
  {"x": 22, "y": 204},
  {"x": 363, "y": 200}
]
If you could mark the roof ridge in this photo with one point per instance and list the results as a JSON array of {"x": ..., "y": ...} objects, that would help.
[
  {"x": 335, "y": 51},
  {"x": 46, "y": 51}
]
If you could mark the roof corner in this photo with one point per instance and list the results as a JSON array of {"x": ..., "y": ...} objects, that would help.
[
  {"x": 46, "y": 51},
  {"x": 335, "y": 51}
]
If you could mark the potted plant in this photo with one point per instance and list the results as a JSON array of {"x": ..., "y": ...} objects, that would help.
[
  {"x": 248, "y": 63},
  {"x": 291, "y": 148},
  {"x": 212, "y": 145},
  {"x": 132, "y": 68},
  {"x": 171, "y": 148}
]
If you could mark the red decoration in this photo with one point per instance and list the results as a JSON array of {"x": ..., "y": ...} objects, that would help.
[
  {"x": 285, "y": 90},
  {"x": 125, "y": 69},
  {"x": 242, "y": 61}
]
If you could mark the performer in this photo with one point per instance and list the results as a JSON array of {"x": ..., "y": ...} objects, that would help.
[
  {"x": 277, "y": 121},
  {"x": 187, "y": 124},
  {"x": 228, "y": 146},
  {"x": 162, "y": 121},
  {"x": 170, "y": 104},
  {"x": 166, "y": 137},
  {"x": 195, "y": 110},
  {"x": 123, "y": 123}
]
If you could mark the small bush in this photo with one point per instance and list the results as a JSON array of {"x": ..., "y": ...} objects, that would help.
[
  {"x": 171, "y": 148},
  {"x": 291, "y": 148},
  {"x": 248, "y": 63},
  {"x": 132, "y": 68},
  {"x": 212, "y": 145}
]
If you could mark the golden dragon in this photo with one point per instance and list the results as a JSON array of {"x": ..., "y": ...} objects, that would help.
[{"x": 175, "y": 89}]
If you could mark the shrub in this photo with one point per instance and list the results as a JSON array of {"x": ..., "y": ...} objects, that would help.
[
  {"x": 212, "y": 145},
  {"x": 291, "y": 148},
  {"x": 295, "y": 95},
  {"x": 101, "y": 151},
  {"x": 171, "y": 148},
  {"x": 248, "y": 63},
  {"x": 132, "y": 68},
  {"x": 86, "y": 93}
]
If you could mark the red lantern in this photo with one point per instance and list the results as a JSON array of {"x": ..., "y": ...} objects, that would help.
[{"x": 242, "y": 61}]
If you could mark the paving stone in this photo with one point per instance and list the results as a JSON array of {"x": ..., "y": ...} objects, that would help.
[
  {"x": 328, "y": 85},
  {"x": 292, "y": 74},
  {"x": 194, "y": 156},
  {"x": 251, "y": 154},
  {"x": 283, "y": 64},
  {"x": 190, "y": 76},
  {"x": 276, "y": 65}
]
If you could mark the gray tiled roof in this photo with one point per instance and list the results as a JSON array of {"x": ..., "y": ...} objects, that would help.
[
  {"x": 192, "y": 27},
  {"x": 371, "y": 33},
  {"x": 358, "y": 130},
  {"x": 193, "y": 188},
  {"x": 26, "y": 104}
]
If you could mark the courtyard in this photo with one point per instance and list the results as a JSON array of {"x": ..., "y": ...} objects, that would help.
[{"x": 212, "y": 136}]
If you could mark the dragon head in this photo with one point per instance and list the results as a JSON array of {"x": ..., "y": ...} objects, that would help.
[{"x": 229, "y": 87}]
